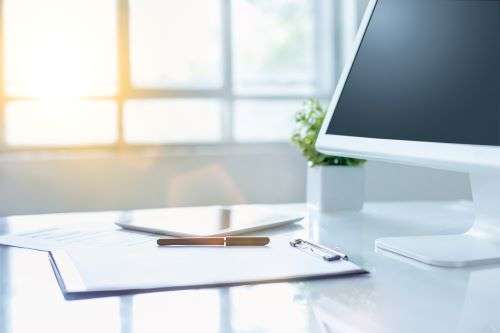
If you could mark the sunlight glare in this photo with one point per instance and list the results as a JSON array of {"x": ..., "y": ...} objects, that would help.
[
  {"x": 61, "y": 122},
  {"x": 60, "y": 48}
]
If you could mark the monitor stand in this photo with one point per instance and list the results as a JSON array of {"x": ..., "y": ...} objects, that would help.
[{"x": 479, "y": 245}]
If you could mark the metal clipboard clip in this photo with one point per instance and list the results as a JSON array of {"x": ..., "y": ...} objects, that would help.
[{"x": 321, "y": 251}]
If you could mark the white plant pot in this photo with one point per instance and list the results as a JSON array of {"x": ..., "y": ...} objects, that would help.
[{"x": 335, "y": 188}]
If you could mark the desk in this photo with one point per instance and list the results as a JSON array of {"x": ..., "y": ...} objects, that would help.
[{"x": 398, "y": 295}]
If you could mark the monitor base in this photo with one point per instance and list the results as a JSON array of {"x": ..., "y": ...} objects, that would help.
[
  {"x": 480, "y": 245},
  {"x": 446, "y": 251}
]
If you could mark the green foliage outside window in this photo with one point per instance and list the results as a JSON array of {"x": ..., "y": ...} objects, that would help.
[{"x": 308, "y": 124}]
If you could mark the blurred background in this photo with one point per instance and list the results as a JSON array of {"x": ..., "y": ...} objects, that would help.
[{"x": 122, "y": 104}]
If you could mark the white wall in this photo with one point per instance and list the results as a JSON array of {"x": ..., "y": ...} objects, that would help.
[
  {"x": 61, "y": 182},
  {"x": 398, "y": 182}
]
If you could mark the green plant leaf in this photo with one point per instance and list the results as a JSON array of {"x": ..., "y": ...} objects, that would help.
[{"x": 308, "y": 125}]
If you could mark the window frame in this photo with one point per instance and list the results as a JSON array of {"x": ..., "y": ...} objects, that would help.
[{"x": 328, "y": 49}]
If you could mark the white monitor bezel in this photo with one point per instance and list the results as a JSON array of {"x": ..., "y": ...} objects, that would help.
[{"x": 458, "y": 157}]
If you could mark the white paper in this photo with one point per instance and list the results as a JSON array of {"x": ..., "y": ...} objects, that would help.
[
  {"x": 81, "y": 235},
  {"x": 148, "y": 267}
]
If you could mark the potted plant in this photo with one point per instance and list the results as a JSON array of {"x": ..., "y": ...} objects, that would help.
[{"x": 334, "y": 183}]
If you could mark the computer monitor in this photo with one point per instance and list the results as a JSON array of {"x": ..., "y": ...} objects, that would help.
[{"x": 422, "y": 87}]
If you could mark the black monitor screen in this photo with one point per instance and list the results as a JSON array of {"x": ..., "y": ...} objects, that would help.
[{"x": 426, "y": 70}]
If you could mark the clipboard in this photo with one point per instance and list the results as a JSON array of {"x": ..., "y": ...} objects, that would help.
[{"x": 149, "y": 267}]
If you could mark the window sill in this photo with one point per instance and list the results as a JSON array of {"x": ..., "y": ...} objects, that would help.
[{"x": 145, "y": 151}]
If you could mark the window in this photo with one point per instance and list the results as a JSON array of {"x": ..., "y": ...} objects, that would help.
[
  {"x": 273, "y": 46},
  {"x": 148, "y": 72}
]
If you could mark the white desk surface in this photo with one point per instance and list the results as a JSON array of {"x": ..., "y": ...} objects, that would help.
[{"x": 398, "y": 296}]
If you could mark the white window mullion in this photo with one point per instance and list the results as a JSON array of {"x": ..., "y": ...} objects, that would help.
[
  {"x": 2, "y": 80},
  {"x": 323, "y": 49},
  {"x": 344, "y": 30},
  {"x": 123, "y": 57},
  {"x": 227, "y": 67}
]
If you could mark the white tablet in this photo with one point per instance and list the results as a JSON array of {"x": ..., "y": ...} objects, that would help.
[{"x": 206, "y": 221}]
